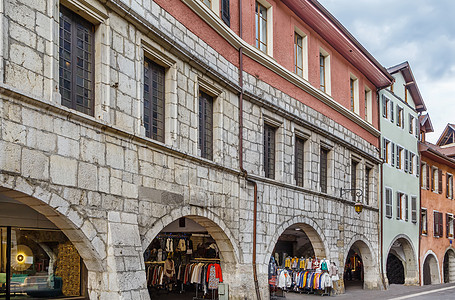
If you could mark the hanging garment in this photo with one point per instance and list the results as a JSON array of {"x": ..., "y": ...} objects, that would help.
[
  {"x": 181, "y": 246},
  {"x": 169, "y": 245},
  {"x": 287, "y": 262},
  {"x": 302, "y": 263},
  {"x": 212, "y": 278},
  {"x": 277, "y": 258},
  {"x": 324, "y": 265},
  {"x": 169, "y": 268}
]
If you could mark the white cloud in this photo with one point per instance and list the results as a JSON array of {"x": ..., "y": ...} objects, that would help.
[{"x": 418, "y": 31}]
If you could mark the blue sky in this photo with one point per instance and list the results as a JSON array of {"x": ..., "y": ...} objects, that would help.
[{"x": 421, "y": 32}]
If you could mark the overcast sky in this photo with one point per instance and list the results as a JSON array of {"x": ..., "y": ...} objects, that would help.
[{"x": 421, "y": 32}]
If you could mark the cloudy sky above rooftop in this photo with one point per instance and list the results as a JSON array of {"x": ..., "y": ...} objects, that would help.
[{"x": 421, "y": 32}]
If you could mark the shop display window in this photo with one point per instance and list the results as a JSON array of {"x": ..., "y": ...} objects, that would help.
[{"x": 39, "y": 263}]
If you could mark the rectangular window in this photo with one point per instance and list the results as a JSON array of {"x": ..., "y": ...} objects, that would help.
[
  {"x": 449, "y": 226},
  {"x": 385, "y": 106},
  {"x": 354, "y": 165},
  {"x": 399, "y": 157},
  {"x": 205, "y": 125},
  {"x": 225, "y": 12},
  {"x": 261, "y": 27},
  {"x": 411, "y": 124},
  {"x": 428, "y": 177},
  {"x": 367, "y": 185},
  {"x": 434, "y": 176},
  {"x": 393, "y": 155},
  {"x": 323, "y": 172},
  {"x": 438, "y": 226},
  {"x": 298, "y": 54},
  {"x": 269, "y": 151},
  {"x": 299, "y": 160},
  {"x": 406, "y": 160},
  {"x": 400, "y": 117},
  {"x": 411, "y": 163},
  {"x": 76, "y": 62},
  {"x": 385, "y": 150},
  {"x": 449, "y": 186},
  {"x": 406, "y": 208},
  {"x": 322, "y": 69},
  {"x": 388, "y": 203},
  {"x": 440, "y": 181},
  {"x": 414, "y": 209},
  {"x": 423, "y": 221},
  {"x": 351, "y": 84},
  {"x": 153, "y": 100},
  {"x": 402, "y": 206},
  {"x": 368, "y": 106}
]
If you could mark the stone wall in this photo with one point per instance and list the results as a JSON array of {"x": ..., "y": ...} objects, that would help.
[{"x": 111, "y": 189}]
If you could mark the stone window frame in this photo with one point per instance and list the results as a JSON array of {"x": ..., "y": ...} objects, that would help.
[
  {"x": 354, "y": 94},
  {"x": 98, "y": 16},
  {"x": 423, "y": 222},
  {"x": 327, "y": 71},
  {"x": 355, "y": 175},
  {"x": 304, "y": 36},
  {"x": 278, "y": 123},
  {"x": 269, "y": 27},
  {"x": 388, "y": 204},
  {"x": 450, "y": 230},
  {"x": 301, "y": 134},
  {"x": 326, "y": 145},
  {"x": 449, "y": 185},
  {"x": 368, "y": 183},
  {"x": 218, "y": 95},
  {"x": 368, "y": 105},
  {"x": 438, "y": 228},
  {"x": 152, "y": 52}
]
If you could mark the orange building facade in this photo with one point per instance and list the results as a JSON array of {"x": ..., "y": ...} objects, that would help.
[{"x": 437, "y": 252}]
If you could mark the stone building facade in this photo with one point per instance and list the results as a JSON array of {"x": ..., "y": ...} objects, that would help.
[{"x": 111, "y": 190}]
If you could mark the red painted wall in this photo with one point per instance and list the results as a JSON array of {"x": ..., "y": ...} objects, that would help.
[{"x": 284, "y": 21}]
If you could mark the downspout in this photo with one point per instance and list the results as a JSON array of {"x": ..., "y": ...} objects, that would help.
[
  {"x": 245, "y": 173},
  {"x": 381, "y": 194},
  {"x": 420, "y": 202}
]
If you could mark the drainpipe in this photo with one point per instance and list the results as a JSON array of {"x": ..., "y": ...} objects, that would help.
[
  {"x": 381, "y": 194},
  {"x": 420, "y": 203},
  {"x": 245, "y": 173}
]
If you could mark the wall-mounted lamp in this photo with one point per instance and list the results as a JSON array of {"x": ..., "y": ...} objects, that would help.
[{"x": 358, "y": 206}]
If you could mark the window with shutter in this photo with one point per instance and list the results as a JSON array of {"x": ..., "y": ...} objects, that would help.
[
  {"x": 423, "y": 222},
  {"x": 388, "y": 203},
  {"x": 299, "y": 161},
  {"x": 399, "y": 157},
  {"x": 449, "y": 226},
  {"x": 205, "y": 125},
  {"x": 411, "y": 124},
  {"x": 298, "y": 54},
  {"x": 449, "y": 180},
  {"x": 433, "y": 179},
  {"x": 399, "y": 211},
  {"x": 414, "y": 209},
  {"x": 406, "y": 160},
  {"x": 417, "y": 127},
  {"x": 435, "y": 224},
  {"x": 323, "y": 170},
  {"x": 440, "y": 218},
  {"x": 406, "y": 212},
  {"x": 393, "y": 155},
  {"x": 225, "y": 12},
  {"x": 440, "y": 181},
  {"x": 384, "y": 106},
  {"x": 76, "y": 62},
  {"x": 269, "y": 151},
  {"x": 417, "y": 167},
  {"x": 391, "y": 112},
  {"x": 261, "y": 27},
  {"x": 428, "y": 177},
  {"x": 153, "y": 100},
  {"x": 411, "y": 163}
]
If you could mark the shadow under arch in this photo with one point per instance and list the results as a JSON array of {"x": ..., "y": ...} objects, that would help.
[
  {"x": 411, "y": 269},
  {"x": 370, "y": 270},
  {"x": 229, "y": 251},
  {"x": 430, "y": 274},
  {"x": 449, "y": 265},
  {"x": 52, "y": 209},
  {"x": 311, "y": 229}
]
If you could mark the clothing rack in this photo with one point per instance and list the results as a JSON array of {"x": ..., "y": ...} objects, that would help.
[
  {"x": 197, "y": 259},
  {"x": 154, "y": 262}
]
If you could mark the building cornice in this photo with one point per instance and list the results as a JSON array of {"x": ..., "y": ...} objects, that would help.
[{"x": 223, "y": 30}]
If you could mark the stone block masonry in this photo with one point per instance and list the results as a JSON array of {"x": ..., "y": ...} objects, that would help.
[{"x": 112, "y": 190}]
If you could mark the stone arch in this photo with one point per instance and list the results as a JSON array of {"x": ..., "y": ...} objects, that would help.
[
  {"x": 449, "y": 265},
  {"x": 214, "y": 224},
  {"x": 370, "y": 270},
  {"x": 430, "y": 267},
  {"x": 312, "y": 230},
  {"x": 408, "y": 257},
  {"x": 80, "y": 232}
]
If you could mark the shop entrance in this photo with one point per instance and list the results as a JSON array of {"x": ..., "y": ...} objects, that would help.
[
  {"x": 36, "y": 258},
  {"x": 184, "y": 261},
  {"x": 449, "y": 266},
  {"x": 353, "y": 269},
  {"x": 395, "y": 270},
  {"x": 430, "y": 270},
  {"x": 298, "y": 261}
]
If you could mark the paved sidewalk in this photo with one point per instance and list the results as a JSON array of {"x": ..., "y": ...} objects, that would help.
[{"x": 398, "y": 292}]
